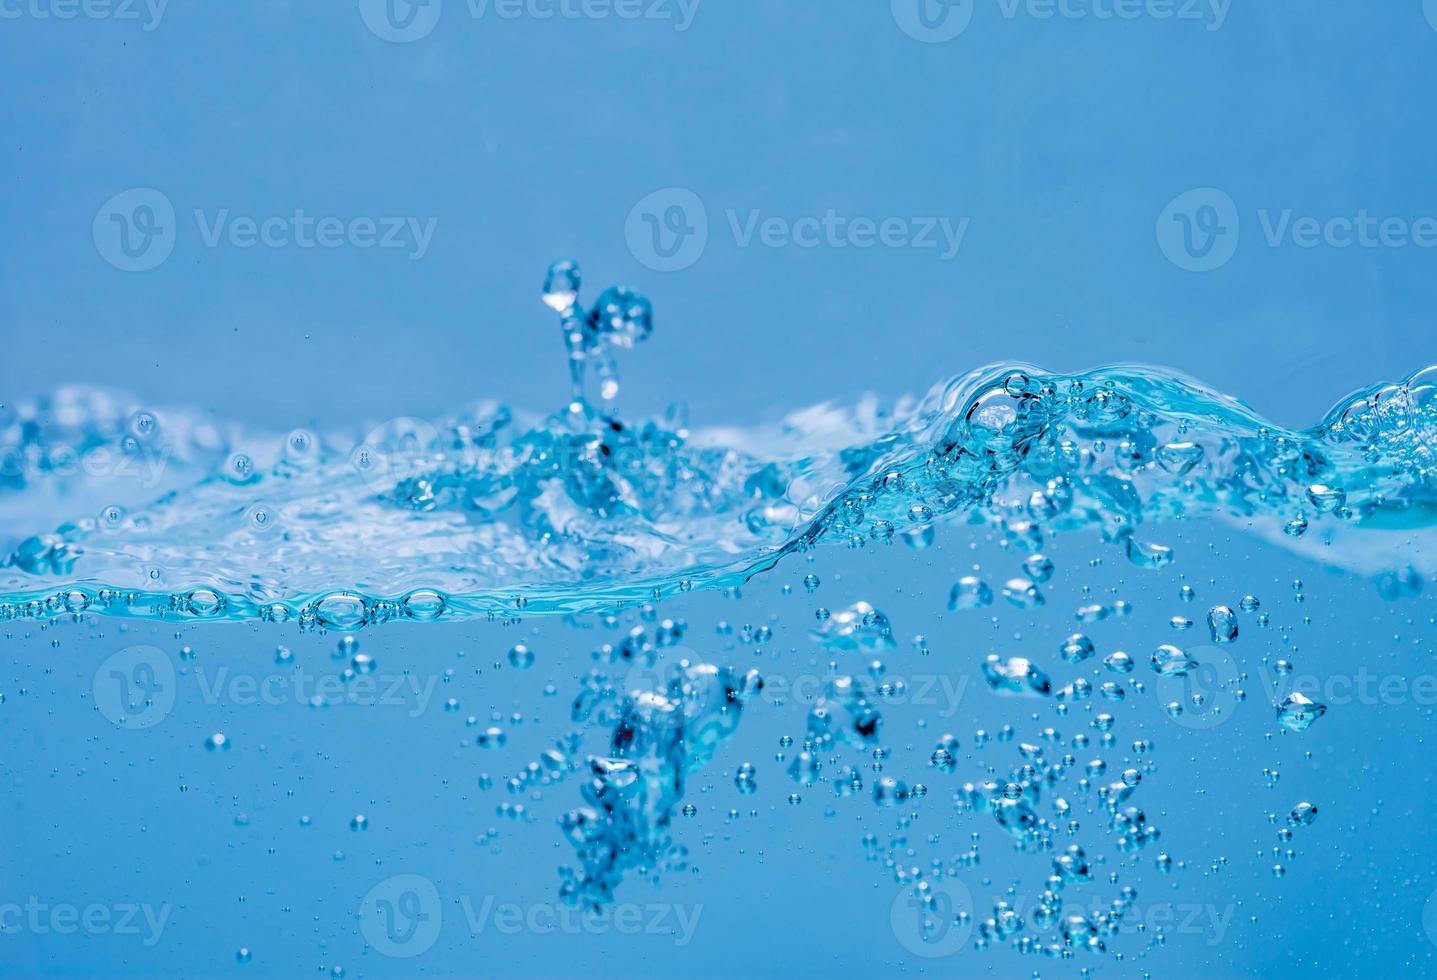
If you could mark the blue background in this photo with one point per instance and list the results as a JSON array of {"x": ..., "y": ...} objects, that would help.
[{"x": 1062, "y": 140}]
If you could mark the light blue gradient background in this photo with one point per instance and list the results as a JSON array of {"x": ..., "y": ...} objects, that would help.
[{"x": 1062, "y": 140}]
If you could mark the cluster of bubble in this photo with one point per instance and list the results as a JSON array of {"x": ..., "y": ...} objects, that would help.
[{"x": 661, "y": 736}]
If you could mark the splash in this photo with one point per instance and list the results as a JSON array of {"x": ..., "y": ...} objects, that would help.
[{"x": 110, "y": 507}]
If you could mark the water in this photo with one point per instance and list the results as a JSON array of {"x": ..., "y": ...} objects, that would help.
[{"x": 1025, "y": 674}]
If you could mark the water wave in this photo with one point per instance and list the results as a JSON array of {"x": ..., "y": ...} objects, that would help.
[{"x": 107, "y": 506}]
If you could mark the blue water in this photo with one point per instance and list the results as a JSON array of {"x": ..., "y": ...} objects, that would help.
[
  {"x": 967, "y": 655},
  {"x": 971, "y": 513}
]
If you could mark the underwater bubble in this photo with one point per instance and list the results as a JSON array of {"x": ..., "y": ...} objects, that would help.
[
  {"x": 805, "y": 769},
  {"x": 1404, "y": 584},
  {"x": 919, "y": 538},
  {"x": 1146, "y": 555},
  {"x": 359, "y": 822},
  {"x": 1295, "y": 528},
  {"x": 1039, "y": 568},
  {"x": 217, "y": 742},
  {"x": 1180, "y": 457},
  {"x": 1297, "y": 712},
  {"x": 491, "y": 738},
  {"x": 362, "y": 663},
  {"x": 1222, "y": 624},
  {"x": 858, "y": 629},
  {"x": 1250, "y": 603},
  {"x": 1302, "y": 815},
  {"x": 888, "y": 791},
  {"x": 521, "y": 656},
  {"x": 1171, "y": 661},
  {"x": 746, "y": 779},
  {"x": 1077, "y": 648},
  {"x": 970, "y": 592},
  {"x": 1022, "y": 593},
  {"x": 1326, "y": 499},
  {"x": 1119, "y": 662},
  {"x": 1015, "y": 676}
]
